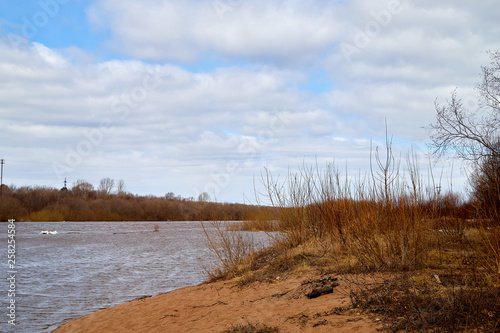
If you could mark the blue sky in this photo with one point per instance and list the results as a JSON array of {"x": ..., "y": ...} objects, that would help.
[
  {"x": 53, "y": 24},
  {"x": 192, "y": 96}
]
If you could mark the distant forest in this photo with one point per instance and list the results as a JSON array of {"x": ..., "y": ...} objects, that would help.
[{"x": 85, "y": 203}]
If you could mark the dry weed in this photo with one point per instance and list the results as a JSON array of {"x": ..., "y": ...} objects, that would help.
[{"x": 251, "y": 328}]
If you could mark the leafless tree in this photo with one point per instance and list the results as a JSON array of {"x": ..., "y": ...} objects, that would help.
[
  {"x": 471, "y": 135},
  {"x": 170, "y": 196},
  {"x": 121, "y": 187},
  {"x": 82, "y": 188},
  {"x": 204, "y": 197},
  {"x": 106, "y": 185},
  {"x": 474, "y": 135}
]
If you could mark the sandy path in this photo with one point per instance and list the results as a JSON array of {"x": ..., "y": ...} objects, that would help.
[{"x": 214, "y": 307}]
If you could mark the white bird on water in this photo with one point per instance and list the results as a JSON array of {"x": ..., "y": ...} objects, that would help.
[{"x": 46, "y": 232}]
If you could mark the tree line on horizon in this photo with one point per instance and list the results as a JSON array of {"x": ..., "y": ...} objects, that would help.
[{"x": 108, "y": 202}]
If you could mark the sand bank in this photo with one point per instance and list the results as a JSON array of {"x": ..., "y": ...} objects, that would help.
[{"x": 214, "y": 307}]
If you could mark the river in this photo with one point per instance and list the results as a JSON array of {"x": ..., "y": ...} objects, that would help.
[{"x": 88, "y": 266}]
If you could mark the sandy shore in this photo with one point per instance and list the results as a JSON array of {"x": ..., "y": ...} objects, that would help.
[{"x": 214, "y": 307}]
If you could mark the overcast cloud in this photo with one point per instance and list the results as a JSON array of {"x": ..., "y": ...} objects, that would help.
[{"x": 192, "y": 96}]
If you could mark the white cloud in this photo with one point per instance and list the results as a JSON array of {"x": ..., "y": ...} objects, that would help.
[
  {"x": 163, "y": 127},
  {"x": 292, "y": 32},
  {"x": 49, "y": 56},
  {"x": 91, "y": 118}
]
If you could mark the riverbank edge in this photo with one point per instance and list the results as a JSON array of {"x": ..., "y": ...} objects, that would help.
[{"x": 219, "y": 306}]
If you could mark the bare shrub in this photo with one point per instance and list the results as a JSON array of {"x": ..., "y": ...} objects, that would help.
[
  {"x": 473, "y": 136},
  {"x": 380, "y": 220},
  {"x": 230, "y": 249},
  {"x": 460, "y": 302}
]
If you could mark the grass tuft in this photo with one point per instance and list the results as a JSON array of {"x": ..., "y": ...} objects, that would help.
[{"x": 251, "y": 328}]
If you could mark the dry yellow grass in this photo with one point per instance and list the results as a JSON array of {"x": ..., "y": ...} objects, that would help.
[{"x": 385, "y": 223}]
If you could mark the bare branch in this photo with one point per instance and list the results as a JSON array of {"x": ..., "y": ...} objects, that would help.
[{"x": 470, "y": 135}]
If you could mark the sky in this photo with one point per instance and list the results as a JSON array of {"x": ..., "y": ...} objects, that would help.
[{"x": 205, "y": 96}]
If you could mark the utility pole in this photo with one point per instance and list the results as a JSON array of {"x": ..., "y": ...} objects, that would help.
[{"x": 2, "y": 162}]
